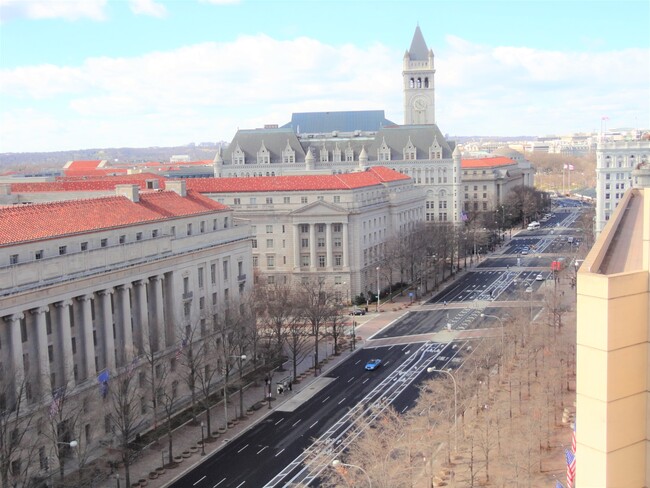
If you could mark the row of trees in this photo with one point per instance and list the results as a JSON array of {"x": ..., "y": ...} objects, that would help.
[{"x": 497, "y": 427}]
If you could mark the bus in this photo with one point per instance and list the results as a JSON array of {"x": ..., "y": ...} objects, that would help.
[{"x": 533, "y": 226}]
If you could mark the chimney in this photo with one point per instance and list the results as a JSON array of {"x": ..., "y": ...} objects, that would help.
[
  {"x": 132, "y": 192},
  {"x": 177, "y": 186}
]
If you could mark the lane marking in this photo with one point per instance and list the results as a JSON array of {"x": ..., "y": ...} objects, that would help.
[
  {"x": 358, "y": 361},
  {"x": 262, "y": 449},
  {"x": 215, "y": 486},
  {"x": 364, "y": 381},
  {"x": 325, "y": 399},
  {"x": 296, "y": 422},
  {"x": 242, "y": 449},
  {"x": 279, "y": 452},
  {"x": 281, "y": 420},
  {"x": 348, "y": 381},
  {"x": 197, "y": 482},
  {"x": 241, "y": 484},
  {"x": 313, "y": 424},
  {"x": 342, "y": 401}
]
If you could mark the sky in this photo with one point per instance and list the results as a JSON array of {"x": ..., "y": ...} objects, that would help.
[{"x": 82, "y": 74}]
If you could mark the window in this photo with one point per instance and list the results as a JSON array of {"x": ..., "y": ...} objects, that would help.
[
  {"x": 338, "y": 260},
  {"x": 214, "y": 224},
  {"x": 304, "y": 261},
  {"x": 269, "y": 243},
  {"x": 225, "y": 269},
  {"x": 200, "y": 277},
  {"x": 138, "y": 236},
  {"x": 173, "y": 230},
  {"x": 38, "y": 255},
  {"x": 269, "y": 200},
  {"x": 186, "y": 284},
  {"x": 304, "y": 228},
  {"x": 202, "y": 227},
  {"x": 304, "y": 242},
  {"x": 154, "y": 233},
  {"x": 270, "y": 261},
  {"x": 270, "y": 280},
  {"x": 320, "y": 227},
  {"x": 255, "y": 261},
  {"x": 214, "y": 298},
  {"x": 321, "y": 261},
  {"x": 269, "y": 229},
  {"x": 84, "y": 246},
  {"x": 337, "y": 227},
  {"x": 225, "y": 222},
  {"x": 189, "y": 229},
  {"x": 337, "y": 242},
  {"x": 13, "y": 259},
  {"x": 253, "y": 200},
  {"x": 201, "y": 303},
  {"x": 186, "y": 309},
  {"x": 303, "y": 199},
  {"x": 254, "y": 243},
  {"x": 236, "y": 201},
  {"x": 213, "y": 273},
  {"x": 287, "y": 199},
  {"x": 63, "y": 250},
  {"x": 321, "y": 242},
  {"x": 121, "y": 239},
  {"x": 337, "y": 199},
  {"x": 320, "y": 198}
]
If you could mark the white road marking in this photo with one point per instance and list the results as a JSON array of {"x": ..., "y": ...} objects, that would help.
[
  {"x": 197, "y": 482},
  {"x": 262, "y": 449},
  {"x": 349, "y": 380},
  {"x": 358, "y": 361},
  {"x": 364, "y": 381},
  {"x": 240, "y": 484},
  {"x": 279, "y": 452},
  {"x": 325, "y": 399},
  {"x": 313, "y": 424},
  {"x": 215, "y": 486},
  {"x": 341, "y": 401},
  {"x": 297, "y": 422},
  {"x": 281, "y": 420},
  {"x": 242, "y": 449}
]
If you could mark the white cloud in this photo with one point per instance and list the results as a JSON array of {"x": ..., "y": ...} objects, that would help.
[
  {"x": 147, "y": 7},
  {"x": 204, "y": 92},
  {"x": 52, "y": 9}
]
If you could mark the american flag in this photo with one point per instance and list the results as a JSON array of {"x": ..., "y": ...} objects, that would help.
[
  {"x": 463, "y": 216},
  {"x": 573, "y": 438},
  {"x": 180, "y": 348},
  {"x": 570, "y": 468},
  {"x": 57, "y": 400}
]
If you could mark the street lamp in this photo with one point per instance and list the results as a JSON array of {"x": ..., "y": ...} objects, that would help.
[
  {"x": 117, "y": 479},
  {"x": 431, "y": 370},
  {"x": 484, "y": 315},
  {"x": 336, "y": 463},
  {"x": 378, "y": 289},
  {"x": 202, "y": 439}
]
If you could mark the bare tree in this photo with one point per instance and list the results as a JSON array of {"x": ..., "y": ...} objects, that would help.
[
  {"x": 298, "y": 341},
  {"x": 167, "y": 398},
  {"x": 317, "y": 304},
  {"x": 123, "y": 397}
]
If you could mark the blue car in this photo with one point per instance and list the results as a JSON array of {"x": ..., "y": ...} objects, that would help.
[{"x": 373, "y": 364}]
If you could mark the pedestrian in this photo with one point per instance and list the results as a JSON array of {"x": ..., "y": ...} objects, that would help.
[
  {"x": 290, "y": 386},
  {"x": 445, "y": 302},
  {"x": 280, "y": 390}
]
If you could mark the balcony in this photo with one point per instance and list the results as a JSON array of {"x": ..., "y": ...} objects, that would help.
[
  {"x": 241, "y": 277},
  {"x": 188, "y": 295}
]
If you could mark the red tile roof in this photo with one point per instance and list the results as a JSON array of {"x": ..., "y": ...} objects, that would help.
[
  {"x": 26, "y": 223},
  {"x": 486, "y": 162},
  {"x": 79, "y": 183},
  {"x": 374, "y": 176},
  {"x": 83, "y": 165}
]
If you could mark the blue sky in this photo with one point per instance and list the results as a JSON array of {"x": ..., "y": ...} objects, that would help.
[{"x": 80, "y": 74}]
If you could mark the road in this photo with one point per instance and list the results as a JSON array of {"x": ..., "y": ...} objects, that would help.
[{"x": 297, "y": 442}]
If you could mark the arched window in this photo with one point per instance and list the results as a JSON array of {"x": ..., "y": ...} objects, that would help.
[
  {"x": 411, "y": 83},
  {"x": 419, "y": 82},
  {"x": 426, "y": 82}
]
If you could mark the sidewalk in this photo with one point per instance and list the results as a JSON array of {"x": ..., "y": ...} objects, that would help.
[{"x": 187, "y": 438}]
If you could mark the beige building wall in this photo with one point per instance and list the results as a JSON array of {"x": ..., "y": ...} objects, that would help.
[{"x": 613, "y": 354}]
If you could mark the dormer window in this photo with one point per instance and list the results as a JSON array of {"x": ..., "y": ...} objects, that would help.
[
  {"x": 349, "y": 154},
  {"x": 324, "y": 154},
  {"x": 336, "y": 154},
  {"x": 383, "y": 153},
  {"x": 288, "y": 155},
  {"x": 435, "y": 151},
  {"x": 238, "y": 156},
  {"x": 263, "y": 155},
  {"x": 410, "y": 152}
]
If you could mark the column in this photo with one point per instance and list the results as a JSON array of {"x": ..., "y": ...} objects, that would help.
[
  {"x": 346, "y": 249},
  {"x": 124, "y": 327},
  {"x": 159, "y": 324},
  {"x": 141, "y": 314},
  {"x": 64, "y": 338},
  {"x": 40, "y": 333},
  {"x": 16, "y": 347},
  {"x": 329, "y": 245},
  {"x": 296, "y": 247},
  {"x": 107, "y": 338},
  {"x": 312, "y": 246},
  {"x": 88, "y": 344}
]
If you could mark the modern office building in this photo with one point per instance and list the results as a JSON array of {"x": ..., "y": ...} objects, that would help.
[
  {"x": 613, "y": 340},
  {"x": 615, "y": 161}
]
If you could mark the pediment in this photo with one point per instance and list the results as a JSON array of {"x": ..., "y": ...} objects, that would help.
[{"x": 319, "y": 208}]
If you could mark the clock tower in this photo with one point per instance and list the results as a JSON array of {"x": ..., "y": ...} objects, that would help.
[{"x": 418, "y": 71}]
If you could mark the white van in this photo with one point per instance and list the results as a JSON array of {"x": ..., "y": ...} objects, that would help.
[{"x": 533, "y": 226}]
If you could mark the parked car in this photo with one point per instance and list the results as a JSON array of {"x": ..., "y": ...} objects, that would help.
[
  {"x": 373, "y": 364},
  {"x": 539, "y": 277},
  {"x": 358, "y": 311}
]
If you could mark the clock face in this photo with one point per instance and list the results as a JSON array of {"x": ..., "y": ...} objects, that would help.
[{"x": 420, "y": 103}]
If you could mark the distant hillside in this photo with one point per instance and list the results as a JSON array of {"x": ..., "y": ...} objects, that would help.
[{"x": 55, "y": 160}]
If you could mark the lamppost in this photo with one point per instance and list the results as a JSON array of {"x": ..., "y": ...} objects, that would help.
[
  {"x": 61, "y": 454},
  {"x": 202, "y": 439},
  {"x": 354, "y": 335},
  {"x": 484, "y": 315},
  {"x": 431, "y": 370},
  {"x": 117, "y": 479},
  {"x": 336, "y": 463},
  {"x": 378, "y": 289},
  {"x": 225, "y": 388}
]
